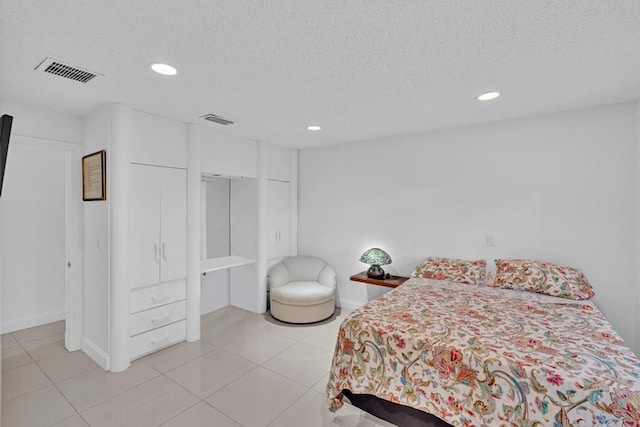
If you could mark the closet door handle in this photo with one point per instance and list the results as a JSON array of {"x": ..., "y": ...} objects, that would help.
[
  {"x": 164, "y": 251},
  {"x": 155, "y": 253}
]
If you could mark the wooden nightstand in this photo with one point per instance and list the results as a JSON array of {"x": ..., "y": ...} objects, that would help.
[{"x": 391, "y": 282}]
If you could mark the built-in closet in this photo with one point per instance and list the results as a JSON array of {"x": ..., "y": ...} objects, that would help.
[
  {"x": 158, "y": 257},
  {"x": 161, "y": 261}
]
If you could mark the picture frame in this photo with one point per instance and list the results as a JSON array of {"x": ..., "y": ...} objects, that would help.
[{"x": 94, "y": 176}]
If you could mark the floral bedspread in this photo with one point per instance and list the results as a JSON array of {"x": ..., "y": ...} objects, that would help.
[{"x": 479, "y": 356}]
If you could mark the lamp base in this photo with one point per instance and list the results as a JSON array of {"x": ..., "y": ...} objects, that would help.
[{"x": 375, "y": 272}]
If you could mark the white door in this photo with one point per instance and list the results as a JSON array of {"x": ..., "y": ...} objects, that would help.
[
  {"x": 33, "y": 246},
  {"x": 173, "y": 232},
  {"x": 144, "y": 227},
  {"x": 283, "y": 218}
]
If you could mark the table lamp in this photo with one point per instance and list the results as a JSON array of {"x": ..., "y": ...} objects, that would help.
[{"x": 375, "y": 257}]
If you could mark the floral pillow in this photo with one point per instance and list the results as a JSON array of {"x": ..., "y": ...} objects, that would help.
[
  {"x": 452, "y": 270},
  {"x": 542, "y": 277}
]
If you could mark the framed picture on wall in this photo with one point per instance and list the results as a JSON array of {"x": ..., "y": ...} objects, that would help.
[{"x": 94, "y": 176}]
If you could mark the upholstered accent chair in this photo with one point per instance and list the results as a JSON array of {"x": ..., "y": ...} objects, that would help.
[{"x": 302, "y": 289}]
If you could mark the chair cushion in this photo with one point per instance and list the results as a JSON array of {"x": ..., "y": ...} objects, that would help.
[
  {"x": 304, "y": 268},
  {"x": 302, "y": 293}
]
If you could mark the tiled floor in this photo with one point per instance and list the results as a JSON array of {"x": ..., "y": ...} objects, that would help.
[{"x": 248, "y": 370}]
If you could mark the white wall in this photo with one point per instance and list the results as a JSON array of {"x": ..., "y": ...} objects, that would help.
[
  {"x": 637, "y": 229},
  {"x": 38, "y": 122},
  {"x": 217, "y": 218},
  {"x": 215, "y": 284},
  {"x": 215, "y": 291},
  {"x": 559, "y": 188},
  {"x": 96, "y": 247}
]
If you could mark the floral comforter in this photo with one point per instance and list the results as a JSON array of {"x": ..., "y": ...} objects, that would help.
[{"x": 481, "y": 356}]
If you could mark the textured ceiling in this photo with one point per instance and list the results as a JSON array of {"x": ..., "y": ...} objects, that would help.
[{"x": 360, "y": 69}]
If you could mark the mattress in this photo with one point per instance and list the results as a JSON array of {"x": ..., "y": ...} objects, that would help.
[{"x": 474, "y": 355}]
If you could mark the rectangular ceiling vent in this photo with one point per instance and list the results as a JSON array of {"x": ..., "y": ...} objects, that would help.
[
  {"x": 217, "y": 119},
  {"x": 59, "y": 68}
]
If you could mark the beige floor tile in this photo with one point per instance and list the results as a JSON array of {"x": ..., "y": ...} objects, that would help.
[
  {"x": 258, "y": 345},
  {"x": 14, "y": 356},
  {"x": 22, "y": 380},
  {"x": 39, "y": 332},
  {"x": 210, "y": 372},
  {"x": 66, "y": 365},
  {"x": 97, "y": 385},
  {"x": 201, "y": 415},
  {"x": 219, "y": 335},
  {"x": 8, "y": 341},
  {"x": 321, "y": 386},
  {"x": 43, "y": 407},
  {"x": 177, "y": 355},
  {"x": 265, "y": 392},
  {"x": 75, "y": 421},
  {"x": 148, "y": 404},
  {"x": 44, "y": 348},
  {"x": 225, "y": 316},
  {"x": 295, "y": 357},
  {"x": 301, "y": 362},
  {"x": 325, "y": 338},
  {"x": 313, "y": 408},
  {"x": 296, "y": 332}
]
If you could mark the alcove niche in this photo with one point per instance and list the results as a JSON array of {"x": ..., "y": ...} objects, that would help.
[{"x": 228, "y": 238}]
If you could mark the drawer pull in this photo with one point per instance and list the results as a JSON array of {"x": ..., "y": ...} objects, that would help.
[
  {"x": 160, "y": 298},
  {"x": 159, "y": 341},
  {"x": 159, "y": 320}
]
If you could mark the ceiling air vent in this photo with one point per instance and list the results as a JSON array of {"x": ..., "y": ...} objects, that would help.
[
  {"x": 217, "y": 119},
  {"x": 59, "y": 68}
]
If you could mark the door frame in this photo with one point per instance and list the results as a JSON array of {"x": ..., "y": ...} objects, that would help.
[{"x": 73, "y": 232}]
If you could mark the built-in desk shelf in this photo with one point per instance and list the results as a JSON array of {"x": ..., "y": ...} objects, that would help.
[{"x": 220, "y": 263}]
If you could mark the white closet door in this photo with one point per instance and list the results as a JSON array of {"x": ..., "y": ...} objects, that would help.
[
  {"x": 277, "y": 219},
  {"x": 145, "y": 226},
  {"x": 283, "y": 216},
  {"x": 173, "y": 222}
]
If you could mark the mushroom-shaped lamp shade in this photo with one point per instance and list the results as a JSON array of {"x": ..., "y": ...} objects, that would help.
[{"x": 375, "y": 257}]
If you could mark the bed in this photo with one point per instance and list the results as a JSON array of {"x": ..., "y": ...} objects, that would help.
[{"x": 476, "y": 355}]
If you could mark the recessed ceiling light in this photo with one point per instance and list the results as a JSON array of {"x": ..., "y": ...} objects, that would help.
[
  {"x": 488, "y": 96},
  {"x": 313, "y": 128},
  {"x": 164, "y": 69}
]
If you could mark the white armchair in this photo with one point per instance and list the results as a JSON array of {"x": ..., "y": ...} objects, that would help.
[{"x": 302, "y": 289}]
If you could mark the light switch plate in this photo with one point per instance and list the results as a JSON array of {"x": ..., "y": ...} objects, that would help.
[{"x": 491, "y": 240}]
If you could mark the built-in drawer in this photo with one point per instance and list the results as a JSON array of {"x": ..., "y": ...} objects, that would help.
[
  {"x": 156, "y": 317},
  {"x": 157, "y": 295},
  {"x": 151, "y": 341}
]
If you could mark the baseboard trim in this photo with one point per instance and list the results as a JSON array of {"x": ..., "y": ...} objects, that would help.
[
  {"x": 74, "y": 343},
  {"x": 95, "y": 353},
  {"x": 349, "y": 304},
  {"x": 25, "y": 322}
]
